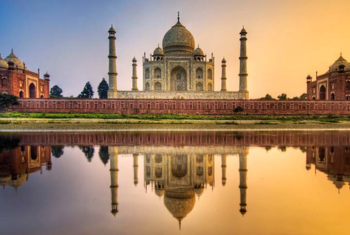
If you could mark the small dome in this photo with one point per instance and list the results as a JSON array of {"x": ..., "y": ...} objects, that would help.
[
  {"x": 3, "y": 63},
  {"x": 111, "y": 30},
  {"x": 339, "y": 62},
  {"x": 46, "y": 75},
  {"x": 17, "y": 62},
  {"x": 158, "y": 52},
  {"x": 134, "y": 60},
  {"x": 178, "y": 39},
  {"x": 223, "y": 60},
  {"x": 243, "y": 32},
  {"x": 198, "y": 52}
]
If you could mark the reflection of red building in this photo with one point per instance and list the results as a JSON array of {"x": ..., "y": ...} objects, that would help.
[
  {"x": 334, "y": 161},
  {"x": 16, "y": 79},
  {"x": 17, "y": 164}
]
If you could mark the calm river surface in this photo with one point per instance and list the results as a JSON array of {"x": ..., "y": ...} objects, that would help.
[{"x": 175, "y": 183}]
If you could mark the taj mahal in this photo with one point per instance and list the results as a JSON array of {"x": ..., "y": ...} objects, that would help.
[{"x": 178, "y": 70}]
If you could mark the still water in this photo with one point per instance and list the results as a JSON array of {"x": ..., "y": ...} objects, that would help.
[{"x": 175, "y": 183}]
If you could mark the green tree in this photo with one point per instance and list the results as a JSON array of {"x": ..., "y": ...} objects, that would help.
[
  {"x": 295, "y": 98},
  {"x": 283, "y": 96},
  {"x": 56, "y": 92},
  {"x": 104, "y": 155},
  {"x": 238, "y": 109},
  {"x": 7, "y": 101},
  {"x": 267, "y": 97},
  {"x": 303, "y": 96},
  {"x": 102, "y": 89},
  {"x": 57, "y": 151},
  {"x": 88, "y": 152},
  {"x": 87, "y": 91}
]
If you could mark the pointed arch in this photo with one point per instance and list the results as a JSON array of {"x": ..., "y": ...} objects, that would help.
[
  {"x": 32, "y": 91},
  {"x": 322, "y": 93},
  {"x": 199, "y": 86},
  {"x": 157, "y": 86}
]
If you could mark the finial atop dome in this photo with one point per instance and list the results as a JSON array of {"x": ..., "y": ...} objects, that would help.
[
  {"x": 178, "y": 17},
  {"x": 11, "y": 50}
]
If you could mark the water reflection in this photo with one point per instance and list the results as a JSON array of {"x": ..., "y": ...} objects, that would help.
[
  {"x": 178, "y": 178},
  {"x": 18, "y": 162},
  {"x": 182, "y": 168},
  {"x": 334, "y": 161}
]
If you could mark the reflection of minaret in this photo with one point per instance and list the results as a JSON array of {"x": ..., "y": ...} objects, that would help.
[
  {"x": 113, "y": 155},
  {"x": 243, "y": 181},
  {"x": 136, "y": 166},
  {"x": 223, "y": 167}
]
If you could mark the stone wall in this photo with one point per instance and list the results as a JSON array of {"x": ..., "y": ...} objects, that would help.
[
  {"x": 210, "y": 141},
  {"x": 181, "y": 106},
  {"x": 231, "y": 95}
]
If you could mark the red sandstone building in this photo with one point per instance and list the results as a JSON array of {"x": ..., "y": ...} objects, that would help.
[
  {"x": 16, "y": 79},
  {"x": 333, "y": 85}
]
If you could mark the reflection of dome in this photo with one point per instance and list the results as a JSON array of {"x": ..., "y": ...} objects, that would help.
[
  {"x": 3, "y": 63},
  {"x": 178, "y": 39},
  {"x": 199, "y": 191},
  {"x": 337, "y": 180},
  {"x": 4, "y": 179},
  {"x": 19, "y": 181},
  {"x": 179, "y": 202},
  {"x": 159, "y": 192},
  {"x": 12, "y": 57}
]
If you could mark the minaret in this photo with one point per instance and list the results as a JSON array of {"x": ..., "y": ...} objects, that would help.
[
  {"x": 223, "y": 76},
  {"x": 243, "y": 74},
  {"x": 136, "y": 166},
  {"x": 112, "y": 74},
  {"x": 113, "y": 156},
  {"x": 134, "y": 74},
  {"x": 243, "y": 181},
  {"x": 223, "y": 167}
]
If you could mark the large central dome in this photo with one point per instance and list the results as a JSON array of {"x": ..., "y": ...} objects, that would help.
[{"x": 178, "y": 40}]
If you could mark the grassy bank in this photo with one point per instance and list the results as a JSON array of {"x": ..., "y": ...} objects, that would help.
[{"x": 293, "y": 118}]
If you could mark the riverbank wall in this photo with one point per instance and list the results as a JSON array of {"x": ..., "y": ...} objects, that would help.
[{"x": 181, "y": 106}]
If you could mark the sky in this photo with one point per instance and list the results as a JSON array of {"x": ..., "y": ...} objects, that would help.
[{"x": 287, "y": 39}]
